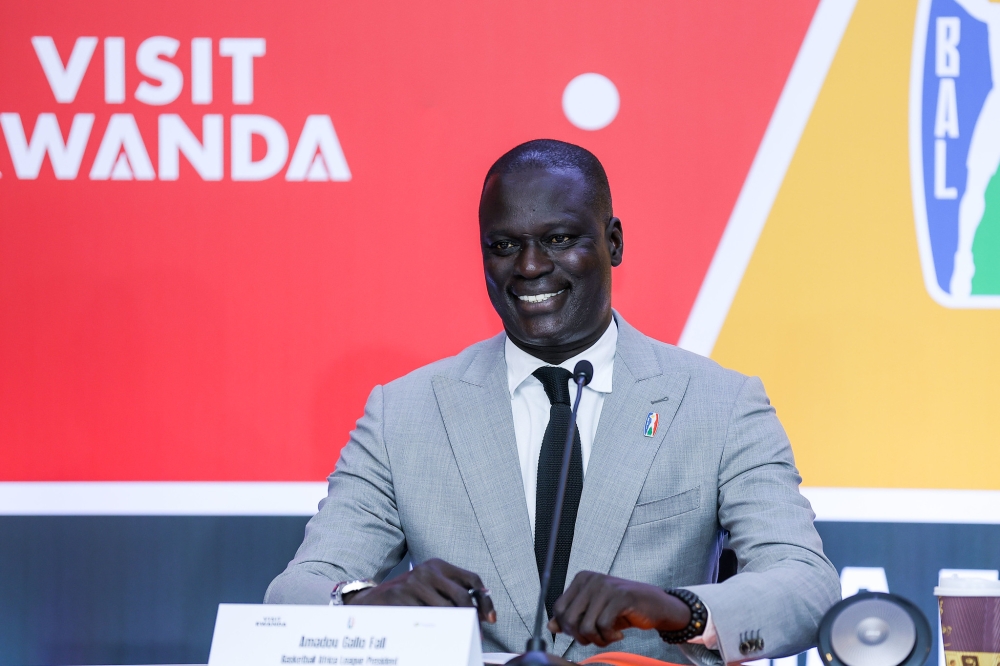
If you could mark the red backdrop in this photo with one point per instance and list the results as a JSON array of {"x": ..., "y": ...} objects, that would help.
[{"x": 196, "y": 330}]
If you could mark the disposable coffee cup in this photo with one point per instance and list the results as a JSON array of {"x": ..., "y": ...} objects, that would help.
[{"x": 970, "y": 621}]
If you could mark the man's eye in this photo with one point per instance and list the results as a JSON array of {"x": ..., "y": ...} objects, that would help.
[
  {"x": 559, "y": 239},
  {"x": 503, "y": 245}
]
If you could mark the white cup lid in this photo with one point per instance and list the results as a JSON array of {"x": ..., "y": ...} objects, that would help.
[{"x": 955, "y": 586}]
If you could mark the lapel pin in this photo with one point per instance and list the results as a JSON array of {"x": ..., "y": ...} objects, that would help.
[{"x": 652, "y": 420}]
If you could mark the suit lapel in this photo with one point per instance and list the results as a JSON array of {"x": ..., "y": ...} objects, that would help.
[
  {"x": 621, "y": 454},
  {"x": 477, "y": 417}
]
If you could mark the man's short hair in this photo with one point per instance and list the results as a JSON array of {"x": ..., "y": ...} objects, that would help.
[{"x": 552, "y": 154}]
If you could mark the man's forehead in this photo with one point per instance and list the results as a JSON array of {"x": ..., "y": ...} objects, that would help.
[
  {"x": 523, "y": 193},
  {"x": 539, "y": 180}
]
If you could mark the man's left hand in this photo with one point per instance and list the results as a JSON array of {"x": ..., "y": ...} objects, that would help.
[{"x": 597, "y": 609}]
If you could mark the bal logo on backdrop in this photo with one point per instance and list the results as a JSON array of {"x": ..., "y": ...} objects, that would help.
[
  {"x": 122, "y": 154},
  {"x": 955, "y": 150}
]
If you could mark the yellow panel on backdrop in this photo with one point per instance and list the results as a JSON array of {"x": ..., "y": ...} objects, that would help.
[{"x": 878, "y": 385}]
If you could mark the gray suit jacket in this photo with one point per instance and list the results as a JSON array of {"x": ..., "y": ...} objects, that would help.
[{"x": 432, "y": 469}]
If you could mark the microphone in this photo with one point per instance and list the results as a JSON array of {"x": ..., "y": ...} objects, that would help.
[
  {"x": 535, "y": 654},
  {"x": 582, "y": 374}
]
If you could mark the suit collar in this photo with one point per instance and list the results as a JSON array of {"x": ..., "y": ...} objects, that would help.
[
  {"x": 486, "y": 363},
  {"x": 636, "y": 351}
]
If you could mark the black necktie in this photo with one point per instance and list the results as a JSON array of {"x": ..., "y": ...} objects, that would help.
[{"x": 556, "y": 383}]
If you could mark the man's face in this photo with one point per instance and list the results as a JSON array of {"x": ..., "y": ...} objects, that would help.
[{"x": 548, "y": 255}]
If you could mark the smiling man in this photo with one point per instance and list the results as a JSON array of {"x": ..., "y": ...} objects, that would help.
[{"x": 457, "y": 463}]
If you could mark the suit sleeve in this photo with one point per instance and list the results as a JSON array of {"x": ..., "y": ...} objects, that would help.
[
  {"x": 785, "y": 583},
  {"x": 356, "y": 534}
]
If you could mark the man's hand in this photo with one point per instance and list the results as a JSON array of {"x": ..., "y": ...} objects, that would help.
[
  {"x": 597, "y": 608},
  {"x": 433, "y": 583}
]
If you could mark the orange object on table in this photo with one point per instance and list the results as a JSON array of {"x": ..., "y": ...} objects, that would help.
[{"x": 624, "y": 659}]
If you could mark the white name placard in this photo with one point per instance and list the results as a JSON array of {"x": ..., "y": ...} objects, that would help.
[{"x": 272, "y": 635}]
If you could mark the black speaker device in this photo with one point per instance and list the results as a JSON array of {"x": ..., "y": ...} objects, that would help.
[{"x": 874, "y": 629}]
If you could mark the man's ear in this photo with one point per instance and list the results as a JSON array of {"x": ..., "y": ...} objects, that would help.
[{"x": 616, "y": 241}]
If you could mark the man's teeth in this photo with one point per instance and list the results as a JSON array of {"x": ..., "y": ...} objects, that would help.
[{"x": 540, "y": 298}]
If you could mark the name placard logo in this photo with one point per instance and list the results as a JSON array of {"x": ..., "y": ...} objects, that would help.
[{"x": 374, "y": 636}]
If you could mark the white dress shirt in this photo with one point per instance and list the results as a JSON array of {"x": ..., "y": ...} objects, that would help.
[{"x": 530, "y": 408}]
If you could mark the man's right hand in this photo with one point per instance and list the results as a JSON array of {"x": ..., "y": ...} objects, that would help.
[{"x": 432, "y": 583}]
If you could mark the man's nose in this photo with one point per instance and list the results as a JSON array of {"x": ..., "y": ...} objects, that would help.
[{"x": 532, "y": 261}]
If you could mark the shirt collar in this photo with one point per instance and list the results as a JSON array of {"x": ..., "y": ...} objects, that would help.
[{"x": 520, "y": 364}]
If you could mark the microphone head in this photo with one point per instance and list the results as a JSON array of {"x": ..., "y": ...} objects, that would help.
[{"x": 583, "y": 373}]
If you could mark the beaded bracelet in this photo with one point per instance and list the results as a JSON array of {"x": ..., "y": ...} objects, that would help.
[{"x": 699, "y": 616}]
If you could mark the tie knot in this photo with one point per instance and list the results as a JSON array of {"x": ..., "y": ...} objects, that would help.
[{"x": 555, "y": 381}]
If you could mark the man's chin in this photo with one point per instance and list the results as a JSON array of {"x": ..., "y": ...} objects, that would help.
[{"x": 542, "y": 333}]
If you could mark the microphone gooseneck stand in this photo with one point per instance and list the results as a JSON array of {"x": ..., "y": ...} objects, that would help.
[{"x": 535, "y": 654}]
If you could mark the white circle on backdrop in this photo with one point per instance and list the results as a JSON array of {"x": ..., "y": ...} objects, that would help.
[{"x": 590, "y": 101}]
